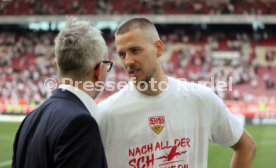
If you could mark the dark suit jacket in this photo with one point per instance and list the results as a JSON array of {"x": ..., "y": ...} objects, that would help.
[{"x": 60, "y": 133}]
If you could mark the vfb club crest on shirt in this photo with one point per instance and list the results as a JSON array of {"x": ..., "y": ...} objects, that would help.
[{"x": 157, "y": 123}]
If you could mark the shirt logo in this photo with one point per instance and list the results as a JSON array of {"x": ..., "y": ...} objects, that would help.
[
  {"x": 172, "y": 154},
  {"x": 157, "y": 123}
]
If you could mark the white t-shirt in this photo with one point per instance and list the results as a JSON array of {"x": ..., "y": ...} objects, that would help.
[{"x": 172, "y": 129}]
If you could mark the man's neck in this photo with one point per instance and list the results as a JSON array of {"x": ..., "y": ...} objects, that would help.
[
  {"x": 79, "y": 85},
  {"x": 154, "y": 86}
]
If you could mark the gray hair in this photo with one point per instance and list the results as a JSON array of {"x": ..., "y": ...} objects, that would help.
[{"x": 78, "y": 48}]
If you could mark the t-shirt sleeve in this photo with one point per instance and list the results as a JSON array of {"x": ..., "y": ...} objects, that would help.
[
  {"x": 79, "y": 145},
  {"x": 226, "y": 129}
]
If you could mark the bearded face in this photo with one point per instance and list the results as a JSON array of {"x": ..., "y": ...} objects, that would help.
[{"x": 137, "y": 55}]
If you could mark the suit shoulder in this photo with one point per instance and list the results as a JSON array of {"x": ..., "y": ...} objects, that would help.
[
  {"x": 81, "y": 120},
  {"x": 59, "y": 111},
  {"x": 70, "y": 106}
]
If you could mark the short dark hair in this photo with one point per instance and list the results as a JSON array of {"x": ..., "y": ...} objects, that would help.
[{"x": 138, "y": 23}]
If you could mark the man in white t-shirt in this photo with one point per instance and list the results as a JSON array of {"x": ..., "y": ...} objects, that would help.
[{"x": 159, "y": 121}]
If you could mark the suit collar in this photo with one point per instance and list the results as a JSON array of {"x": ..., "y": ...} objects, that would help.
[
  {"x": 83, "y": 96},
  {"x": 65, "y": 94}
]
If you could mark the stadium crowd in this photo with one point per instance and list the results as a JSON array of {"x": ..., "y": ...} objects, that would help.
[
  {"x": 24, "y": 65},
  {"x": 48, "y": 7},
  {"x": 26, "y": 61}
]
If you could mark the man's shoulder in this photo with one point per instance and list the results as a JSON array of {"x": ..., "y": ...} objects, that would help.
[
  {"x": 53, "y": 116},
  {"x": 57, "y": 109},
  {"x": 119, "y": 98},
  {"x": 184, "y": 86}
]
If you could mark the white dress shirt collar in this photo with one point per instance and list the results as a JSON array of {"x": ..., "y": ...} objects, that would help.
[{"x": 89, "y": 103}]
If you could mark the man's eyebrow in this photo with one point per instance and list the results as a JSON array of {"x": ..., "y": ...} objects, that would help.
[{"x": 134, "y": 47}]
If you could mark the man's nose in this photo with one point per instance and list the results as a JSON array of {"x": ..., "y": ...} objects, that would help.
[{"x": 129, "y": 59}]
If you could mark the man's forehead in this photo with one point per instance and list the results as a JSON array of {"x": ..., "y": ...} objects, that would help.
[
  {"x": 132, "y": 32},
  {"x": 128, "y": 38},
  {"x": 128, "y": 46}
]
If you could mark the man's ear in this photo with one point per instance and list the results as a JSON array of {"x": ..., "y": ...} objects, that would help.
[
  {"x": 56, "y": 64},
  {"x": 97, "y": 75},
  {"x": 160, "y": 47}
]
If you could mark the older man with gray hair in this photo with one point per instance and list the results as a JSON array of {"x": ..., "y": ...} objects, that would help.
[{"x": 62, "y": 132}]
